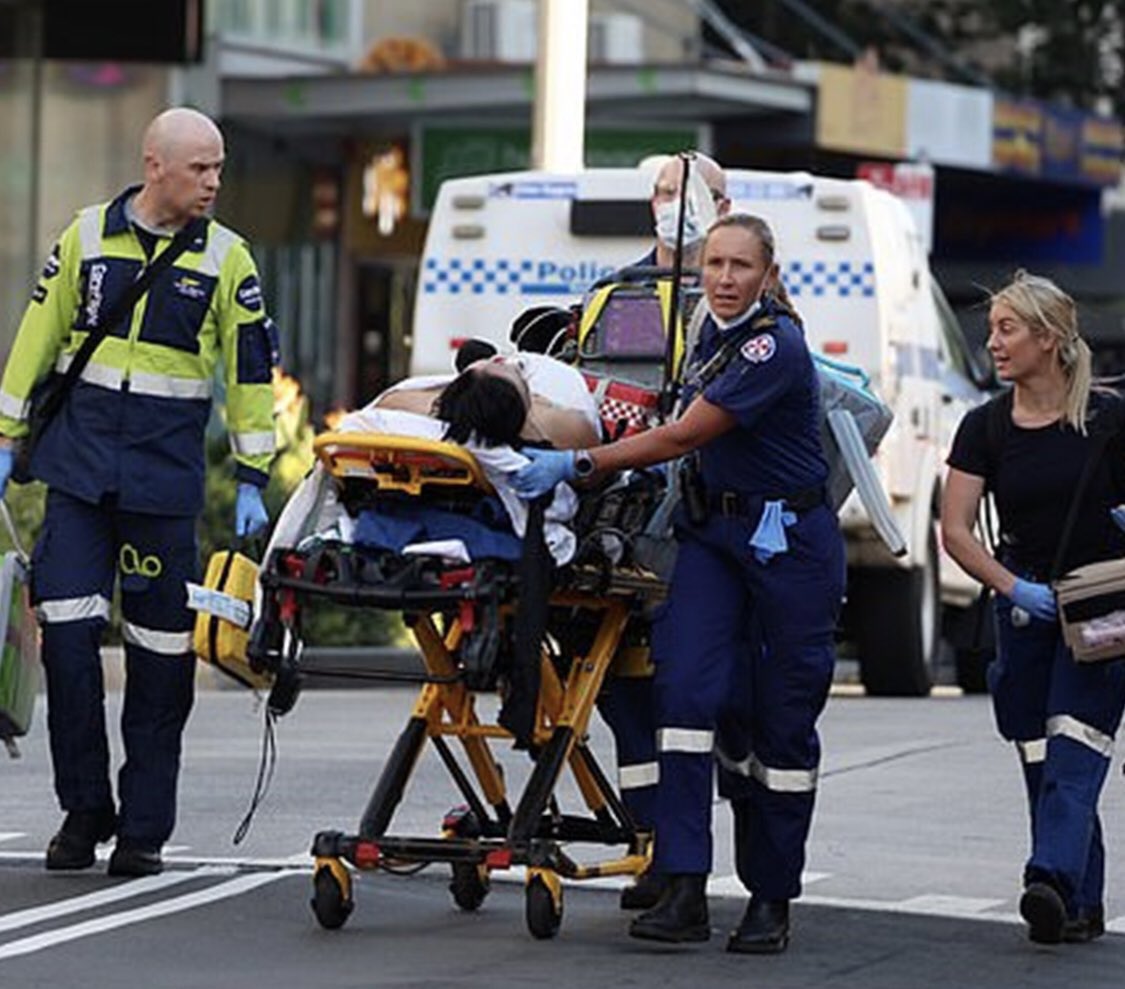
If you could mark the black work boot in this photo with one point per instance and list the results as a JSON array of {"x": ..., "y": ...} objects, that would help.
[
  {"x": 681, "y": 913},
  {"x": 645, "y": 891},
  {"x": 73, "y": 845},
  {"x": 764, "y": 929},
  {"x": 1045, "y": 912},
  {"x": 133, "y": 859},
  {"x": 1089, "y": 924}
]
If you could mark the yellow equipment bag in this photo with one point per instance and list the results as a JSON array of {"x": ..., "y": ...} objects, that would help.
[{"x": 224, "y": 606}]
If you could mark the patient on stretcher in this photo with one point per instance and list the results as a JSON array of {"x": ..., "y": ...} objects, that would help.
[
  {"x": 525, "y": 398},
  {"x": 491, "y": 408}
]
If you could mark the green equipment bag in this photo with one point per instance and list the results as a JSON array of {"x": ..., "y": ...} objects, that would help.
[{"x": 19, "y": 643}]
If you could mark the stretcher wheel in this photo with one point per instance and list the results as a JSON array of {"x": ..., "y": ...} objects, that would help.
[
  {"x": 469, "y": 885},
  {"x": 332, "y": 897},
  {"x": 544, "y": 905}
]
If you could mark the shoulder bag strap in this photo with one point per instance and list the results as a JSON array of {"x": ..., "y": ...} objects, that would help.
[
  {"x": 1098, "y": 442},
  {"x": 124, "y": 305},
  {"x": 725, "y": 354}
]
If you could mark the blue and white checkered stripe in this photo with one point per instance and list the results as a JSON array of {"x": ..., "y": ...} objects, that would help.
[
  {"x": 526, "y": 276},
  {"x": 476, "y": 276},
  {"x": 838, "y": 278}
]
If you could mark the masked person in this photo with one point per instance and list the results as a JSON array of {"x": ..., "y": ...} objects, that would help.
[
  {"x": 756, "y": 537},
  {"x": 123, "y": 461},
  {"x": 1030, "y": 447},
  {"x": 706, "y": 200}
]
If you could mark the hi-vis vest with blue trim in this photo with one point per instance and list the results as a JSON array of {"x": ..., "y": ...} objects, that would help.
[{"x": 134, "y": 423}]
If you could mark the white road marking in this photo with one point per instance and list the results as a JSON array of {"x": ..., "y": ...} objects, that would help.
[
  {"x": 1117, "y": 925},
  {"x": 162, "y": 908},
  {"x": 10, "y": 835},
  {"x": 944, "y": 906},
  {"x": 954, "y": 911},
  {"x": 186, "y": 861},
  {"x": 731, "y": 885},
  {"x": 76, "y": 904}
]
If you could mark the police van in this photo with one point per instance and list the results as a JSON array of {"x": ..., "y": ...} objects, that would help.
[{"x": 855, "y": 268}]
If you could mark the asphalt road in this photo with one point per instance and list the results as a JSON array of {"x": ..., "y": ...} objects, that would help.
[{"x": 912, "y": 877}]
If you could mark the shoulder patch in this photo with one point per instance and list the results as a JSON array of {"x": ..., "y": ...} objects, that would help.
[
  {"x": 759, "y": 349},
  {"x": 249, "y": 293},
  {"x": 51, "y": 268}
]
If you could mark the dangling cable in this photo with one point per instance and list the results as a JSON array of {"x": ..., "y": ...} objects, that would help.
[{"x": 266, "y": 765}]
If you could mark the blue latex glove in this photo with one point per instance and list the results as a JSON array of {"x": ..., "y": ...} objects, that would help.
[
  {"x": 769, "y": 538},
  {"x": 547, "y": 468},
  {"x": 250, "y": 515},
  {"x": 7, "y": 458},
  {"x": 1038, "y": 600},
  {"x": 1117, "y": 513}
]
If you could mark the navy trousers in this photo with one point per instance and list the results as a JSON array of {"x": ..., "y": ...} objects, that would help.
[
  {"x": 748, "y": 646},
  {"x": 1063, "y": 716},
  {"x": 80, "y": 549},
  {"x": 626, "y": 703}
]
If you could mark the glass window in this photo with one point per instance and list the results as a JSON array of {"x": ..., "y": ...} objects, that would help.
[{"x": 957, "y": 350}]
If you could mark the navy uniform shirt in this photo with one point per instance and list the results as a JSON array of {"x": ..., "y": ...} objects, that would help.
[{"x": 770, "y": 387}]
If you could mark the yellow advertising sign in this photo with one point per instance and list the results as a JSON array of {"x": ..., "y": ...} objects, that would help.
[
  {"x": 861, "y": 110},
  {"x": 1102, "y": 148},
  {"x": 1017, "y": 135}
]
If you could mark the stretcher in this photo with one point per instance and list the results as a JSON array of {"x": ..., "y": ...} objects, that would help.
[{"x": 465, "y": 618}]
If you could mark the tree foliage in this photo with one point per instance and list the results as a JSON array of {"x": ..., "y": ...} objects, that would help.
[
  {"x": 1066, "y": 51},
  {"x": 1070, "y": 52}
]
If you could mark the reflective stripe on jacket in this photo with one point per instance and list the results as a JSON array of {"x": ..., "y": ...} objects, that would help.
[{"x": 134, "y": 422}]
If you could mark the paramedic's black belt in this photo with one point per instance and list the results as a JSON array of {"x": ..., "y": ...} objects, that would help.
[{"x": 739, "y": 504}]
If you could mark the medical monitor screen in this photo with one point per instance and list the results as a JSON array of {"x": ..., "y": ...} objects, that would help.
[{"x": 631, "y": 326}]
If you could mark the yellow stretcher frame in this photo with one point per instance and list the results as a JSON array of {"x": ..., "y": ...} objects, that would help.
[{"x": 445, "y": 709}]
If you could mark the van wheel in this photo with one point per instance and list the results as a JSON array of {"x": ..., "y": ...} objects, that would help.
[{"x": 898, "y": 620}]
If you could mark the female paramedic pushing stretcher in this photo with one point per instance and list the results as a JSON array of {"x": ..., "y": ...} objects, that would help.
[
  {"x": 760, "y": 542},
  {"x": 1029, "y": 447}
]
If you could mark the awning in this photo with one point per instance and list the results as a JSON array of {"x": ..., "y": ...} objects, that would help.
[{"x": 326, "y": 106}]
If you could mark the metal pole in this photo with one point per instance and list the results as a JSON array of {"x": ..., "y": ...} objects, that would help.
[
  {"x": 559, "y": 118},
  {"x": 35, "y": 28}
]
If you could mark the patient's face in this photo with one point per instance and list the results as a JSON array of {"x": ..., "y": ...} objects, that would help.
[{"x": 508, "y": 368}]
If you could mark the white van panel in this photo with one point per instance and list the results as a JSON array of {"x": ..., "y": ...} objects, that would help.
[{"x": 500, "y": 244}]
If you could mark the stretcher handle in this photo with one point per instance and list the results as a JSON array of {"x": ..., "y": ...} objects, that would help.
[{"x": 12, "y": 534}]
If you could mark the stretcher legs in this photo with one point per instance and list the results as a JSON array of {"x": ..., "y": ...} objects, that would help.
[{"x": 487, "y": 835}]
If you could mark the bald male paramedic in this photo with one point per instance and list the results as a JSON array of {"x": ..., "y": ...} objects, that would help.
[{"x": 123, "y": 461}]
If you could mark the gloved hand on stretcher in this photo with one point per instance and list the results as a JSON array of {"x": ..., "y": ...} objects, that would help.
[
  {"x": 250, "y": 515},
  {"x": 547, "y": 468},
  {"x": 1038, "y": 600}
]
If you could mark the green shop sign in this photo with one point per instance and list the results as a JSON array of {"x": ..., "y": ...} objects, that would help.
[{"x": 454, "y": 152}]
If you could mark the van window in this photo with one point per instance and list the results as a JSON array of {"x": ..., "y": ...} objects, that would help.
[{"x": 958, "y": 353}]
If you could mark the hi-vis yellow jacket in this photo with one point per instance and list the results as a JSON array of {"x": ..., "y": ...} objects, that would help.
[{"x": 133, "y": 424}]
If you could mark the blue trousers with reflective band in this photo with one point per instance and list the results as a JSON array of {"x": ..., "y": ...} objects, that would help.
[
  {"x": 626, "y": 704},
  {"x": 80, "y": 548},
  {"x": 745, "y": 647},
  {"x": 1063, "y": 716}
]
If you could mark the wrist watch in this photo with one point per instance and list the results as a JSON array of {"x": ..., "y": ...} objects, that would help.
[{"x": 583, "y": 465}]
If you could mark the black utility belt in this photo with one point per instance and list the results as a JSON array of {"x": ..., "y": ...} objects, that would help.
[{"x": 739, "y": 504}]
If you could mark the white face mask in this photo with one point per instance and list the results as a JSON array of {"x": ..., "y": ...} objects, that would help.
[{"x": 668, "y": 219}]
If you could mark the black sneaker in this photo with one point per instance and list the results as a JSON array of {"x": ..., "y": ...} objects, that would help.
[
  {"x": 131, "y": 859},
  {"x": 1088, "y": 925},
  {"x": 1043, "y": 909},
  {"x": 73, "y": 845}
]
